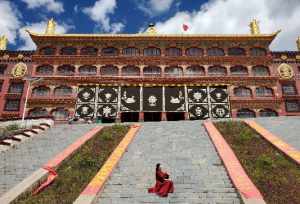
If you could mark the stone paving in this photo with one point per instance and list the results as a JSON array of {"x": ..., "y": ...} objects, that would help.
[
  {"x": 286, "y": 128},
  {"x": 20, "y": 161},
  {"x": 185, "y": 152}
]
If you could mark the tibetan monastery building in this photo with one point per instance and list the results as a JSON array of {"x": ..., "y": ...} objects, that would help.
[{"x": 149, "y": 77}]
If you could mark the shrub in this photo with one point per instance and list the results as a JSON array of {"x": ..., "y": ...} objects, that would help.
[
  {"x": 107, "y": 135},
  {"x": 12, "y": 127}
]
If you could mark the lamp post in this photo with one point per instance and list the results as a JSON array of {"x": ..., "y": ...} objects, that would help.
[{"x": 30, "y": 80}]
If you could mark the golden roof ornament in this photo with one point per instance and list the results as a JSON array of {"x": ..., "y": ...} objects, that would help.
[
  {"x": 254, "y": 27},
  {"x": 285, "y": 71},
  {"x": 3, "y": 42},
  {"x": 19, "y": 70},
  {"x": 151, "y": 29},
  {"x": 298, "y": 43},
  {"x": 50, "y": 29}
]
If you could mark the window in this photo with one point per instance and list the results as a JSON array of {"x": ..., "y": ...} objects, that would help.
[
  {"x": 130, "y": 71},
  {"x": 242, "y": 92},
  {"x": 152, "y": 71},
  {"x": 268, "y": 113},
  {"x": 195, "y": 71},
  {"x": 109, "y": 70},
  {"x": 289, "y": 89},
  {"x": 44, "y": 70},
  {"x": 12, "y": 105},
  {"x": 89, "y": 51},
  {"x": 66, "y": 70},
  {"x": 217, "y": 70},
  {"x": 16, "y": 87},
  {"x": 63, "y": 91},
  {"x": 47, "y": 51},
  {"x": 151, "y": 51},
  {"x": 60, "y": 114},
  {"x": 3, "y": 68},
  {"x": 236, "y": 51},
  {"x": 260, "y": 71},
  {"x": 41, "y": 91},
  {"x": 215, "y": 52},
  {"x": 239, "y": 70},
  {"x": 256, "y": 52},
  {"x": 110, "y": 51},
  {"x": 245, "y": 113},
  {"x": 131, "y": 51},
  {"x": 68, "y": 51},
  {"x": 88, "y": 70},
  {"x": 173, "y": 71},
  {"x": 194, "y": 51},
  {"x": 38, "y": 112},
  {"x": 173, "y": 52},
  {"x": 292, "y": 106},
  {"x": 263, "y": 91}
]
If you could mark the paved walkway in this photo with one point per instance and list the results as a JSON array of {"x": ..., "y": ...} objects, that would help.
[
  {"x": 19, "y": 162},
  {"x": 287, "y": 128},
  {"x": 185, "y": 151}
]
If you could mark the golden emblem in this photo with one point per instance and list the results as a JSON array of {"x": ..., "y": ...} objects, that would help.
[
  {"x": 151, "y": 29},
  {"x": 3, "y": 42},
  {"x": 50, "y": 29},
  {"x": 285, "y": 71},
  {"x": 284, "y": 57},
  {"x": 254, "y": 27},
  {"x": 297, "y": 57},
  {"x": 19, "y": 70}
]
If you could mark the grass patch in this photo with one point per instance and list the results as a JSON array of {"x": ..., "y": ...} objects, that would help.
[
  {"x": 276, "y": 176},
  {"x": 77, "y": 171}
]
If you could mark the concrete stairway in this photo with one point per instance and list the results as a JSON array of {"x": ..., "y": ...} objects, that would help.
[{"x": 185, "y": 152}]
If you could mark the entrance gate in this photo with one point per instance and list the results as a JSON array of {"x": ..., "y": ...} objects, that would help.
[{"x": 200, "y": 102}]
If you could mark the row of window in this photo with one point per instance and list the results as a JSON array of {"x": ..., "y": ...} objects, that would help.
[
  {"x": 260, "y": 92},
  {"x": 248, "y": 113},
  {"x": 59, "y": 91},
  {"x": 110, "y": 70},
  {"x": 153, "y": 51}
]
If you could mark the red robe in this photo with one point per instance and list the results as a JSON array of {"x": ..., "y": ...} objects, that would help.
[{"x": 163, "y": 186}]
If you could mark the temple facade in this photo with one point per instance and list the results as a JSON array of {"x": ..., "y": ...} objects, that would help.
[{"x": 149, "y": 77}]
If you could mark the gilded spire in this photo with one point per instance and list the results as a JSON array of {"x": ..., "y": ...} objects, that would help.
[
  {"x": 151, "y": 29},
  {"x": 254, "y": 27},
  {"x": 50, "y": 29},
  {"x": 298, "y": 43},
  {"x": 3, "y": 42}
]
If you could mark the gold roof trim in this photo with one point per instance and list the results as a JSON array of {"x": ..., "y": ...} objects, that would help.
[{"x": 157, "y": 35}]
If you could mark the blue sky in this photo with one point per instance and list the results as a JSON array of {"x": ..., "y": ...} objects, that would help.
[{"x": 133, "y": 16}]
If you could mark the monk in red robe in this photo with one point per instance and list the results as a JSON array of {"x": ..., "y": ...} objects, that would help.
[{"x": 163, "y": 185}]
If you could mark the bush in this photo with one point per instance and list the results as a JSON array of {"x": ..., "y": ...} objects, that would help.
[
  {"x": 107, "y": 135},
  {"x": 12, "y": 127},
  {"x": 264, "y": 161}
]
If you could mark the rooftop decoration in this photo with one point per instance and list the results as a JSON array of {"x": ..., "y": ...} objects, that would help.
[
  {"x": 151, "y": 29},
  {"x": 50, "y": 29},
  {"x": 3, "y": 42},
  {"x": 298, "y": 43},
  {"x": 254, "y": 27}
]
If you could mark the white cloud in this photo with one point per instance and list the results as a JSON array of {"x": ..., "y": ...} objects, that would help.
[
  {"x": 100, "y": 12},
  {"x": 154, "y": 7},
  {"x": 9, "y": 21},
  {"x": 233, "y": 17},
  {"x": 51, "y": 5},
  {"x": 38, "y": 28}
]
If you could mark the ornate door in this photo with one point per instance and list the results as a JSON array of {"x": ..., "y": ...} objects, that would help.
[
  {"x": 86, "y": 97},
  {"x": 152, "y": 99}
]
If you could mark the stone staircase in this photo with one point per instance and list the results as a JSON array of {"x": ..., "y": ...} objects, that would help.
[{"x": 185, "y": 152}]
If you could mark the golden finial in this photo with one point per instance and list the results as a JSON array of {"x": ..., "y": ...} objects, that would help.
[
  {"x": 50, "y": 30},
  {"x": 298, "y": 43},
  {"x": 3, "y": 42},
  {"x": 151, "y": 29},
  {"x": 254, "y": 27}
]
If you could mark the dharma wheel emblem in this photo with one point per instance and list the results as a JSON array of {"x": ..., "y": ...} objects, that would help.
[
  {"x": 285, "y": 71},
  {"x": 19, "y": 70}
]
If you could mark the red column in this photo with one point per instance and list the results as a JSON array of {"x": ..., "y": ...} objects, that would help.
[
  {"x": 22, "y": 101},
  {"x": 4, "y": 90},
  {"x": 163, "y": 116},
  {"x": 186, "y": 116},
  {"x": 141, "y": 116},
  {"x": 118, "y": 118}
]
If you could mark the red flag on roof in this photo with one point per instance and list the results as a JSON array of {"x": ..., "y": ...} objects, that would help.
[{"x": 185, "y": 27}]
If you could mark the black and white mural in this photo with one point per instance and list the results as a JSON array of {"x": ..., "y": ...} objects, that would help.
[
  {"x": 152, "y": 99},
  {"x": 105, "y": 101},
  {"x": 86, "y": 94},
  {"x": 175, "y": 99},
  {"x": 130, "y": 99},
  {"x": 107, "y": 110},
  {"x": 107, "y": 94},
  {"x": 198, "y": 111}
]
